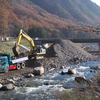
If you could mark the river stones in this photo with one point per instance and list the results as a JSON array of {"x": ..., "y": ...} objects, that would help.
[
  {"x": 62, "y": 73},
  {"x": 29, "y": 75},
  {"x": 62, "y": 67},
  {"x": 80, "y": 79},
  {"x": 51, "y": 69},
  {"x": 7, "y": 87},
  {"x": 94, "y": 67},
  {"x": 1, "y": 85},
  {"x": 16, "y": 78},
  {"x": 38, "y": 70},
  {"x": 71, "y": 71},
  {"x": 10, "y": 81}
]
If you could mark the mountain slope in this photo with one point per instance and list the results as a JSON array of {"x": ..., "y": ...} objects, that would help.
[
  {"x": 52, "y": 17},
  {"x": 81, "y": 10},
  {"x": 29, "y": 14}
]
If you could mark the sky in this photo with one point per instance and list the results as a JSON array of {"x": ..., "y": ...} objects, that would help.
[{"x": 96, "y": 1}]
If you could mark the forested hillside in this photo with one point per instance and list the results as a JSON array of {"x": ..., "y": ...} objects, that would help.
[
  {"x": 79, "y": 10},
  {"x": 48, "y": 18}
]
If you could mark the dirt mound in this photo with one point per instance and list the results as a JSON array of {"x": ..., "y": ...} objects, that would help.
[{"x": 66, "y": 51}]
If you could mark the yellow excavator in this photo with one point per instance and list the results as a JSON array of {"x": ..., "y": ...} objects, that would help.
[{"x": 18, "y": 49}]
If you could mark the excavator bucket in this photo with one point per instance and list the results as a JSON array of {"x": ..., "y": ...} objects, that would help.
[
  {"x": 16, "y": 51},
  {"x": 20, "y": 51}
]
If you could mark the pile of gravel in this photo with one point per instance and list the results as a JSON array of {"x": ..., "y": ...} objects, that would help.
[{"x": 66, "y": 51}]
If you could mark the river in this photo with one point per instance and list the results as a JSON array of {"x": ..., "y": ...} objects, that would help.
[{"x": 44, "y": 87}]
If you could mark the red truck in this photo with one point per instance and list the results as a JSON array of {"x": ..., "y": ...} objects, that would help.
[{"x": 8, "y": 63}]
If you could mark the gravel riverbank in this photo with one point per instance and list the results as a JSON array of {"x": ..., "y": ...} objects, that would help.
[{"x": 66, "y": 52}]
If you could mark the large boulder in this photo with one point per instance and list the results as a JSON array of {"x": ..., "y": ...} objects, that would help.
[
  {"x": 71, "y": 71},
  {"x": 80, "y": 79},
  {"x": 7, "y": 87},
  {"x": 38, "y": 70}
]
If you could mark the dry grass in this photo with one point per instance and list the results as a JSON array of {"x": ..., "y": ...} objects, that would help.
[
  {"x": 91, "y": 92},
  {"x": 6, "y": 46}
]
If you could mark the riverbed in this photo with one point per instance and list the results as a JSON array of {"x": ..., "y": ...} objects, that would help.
[{"x": 44, "y": 87}]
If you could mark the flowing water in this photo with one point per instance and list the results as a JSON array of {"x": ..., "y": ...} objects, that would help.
[{"x": 43, "y": 87}]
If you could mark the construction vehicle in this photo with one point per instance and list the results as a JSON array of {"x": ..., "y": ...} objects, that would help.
[
  {"x": 8, "y": 63},
  {"x": 36, "y": 50}
]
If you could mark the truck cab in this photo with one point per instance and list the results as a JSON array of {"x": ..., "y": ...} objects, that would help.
[
  {"x": 7, "y": 63},
  {"x": 4, "y": 64}
]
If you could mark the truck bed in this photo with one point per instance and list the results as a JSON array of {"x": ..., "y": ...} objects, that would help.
[{"x": 19, "y": 60}]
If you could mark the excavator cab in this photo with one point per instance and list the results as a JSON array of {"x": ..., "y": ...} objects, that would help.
[
  {"x": 39, "y": 50},
  {"x": 20, "y": 50}
]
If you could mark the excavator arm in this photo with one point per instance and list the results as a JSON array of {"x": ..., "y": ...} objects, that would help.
[
  {"x": 35, "y": 50},
  {"x": 26, "y": 36}
]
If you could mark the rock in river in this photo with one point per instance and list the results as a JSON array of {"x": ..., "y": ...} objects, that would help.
[
  {"x": 38, "y": 70},
  {"x": 71, "y": 71},
  {"x": 29, "y": 75},
  {"x": 7, "y": 87}
]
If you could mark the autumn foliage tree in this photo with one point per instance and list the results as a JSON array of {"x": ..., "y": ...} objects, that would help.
[
  {"x": 3, "y": 17},
  {"x": 38, "y": 19}
]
